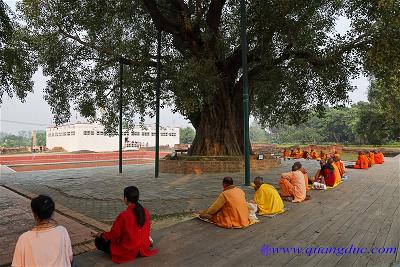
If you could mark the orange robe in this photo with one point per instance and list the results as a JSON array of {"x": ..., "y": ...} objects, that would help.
[
  {"x": 285, "y": 154},
  {"x": 305, "y": 173},
  {"x": 305, "y": 154},
  {"x": 379, "y": 158},
  {"x": 314, "y": 155},
  {"x": 293, "y": 184},
  {"x": 322, "y": 155},
  {"x": 362, "y": 162},
  {"x": 230, "y": 209},
  {"x": 371, "y": 156},
  {"x": 340, "y": 165}
]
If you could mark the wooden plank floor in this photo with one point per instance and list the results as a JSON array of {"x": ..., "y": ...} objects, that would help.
[{"x": 362, "y": 212}]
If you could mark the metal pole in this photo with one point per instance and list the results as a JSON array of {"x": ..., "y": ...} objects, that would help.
[
  {"x": 121, "y": 70},
  {"x": 158, "y": 84},
  {"x": 245, "y": 94}
]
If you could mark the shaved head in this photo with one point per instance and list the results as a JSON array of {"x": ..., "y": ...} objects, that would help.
[
  {"x": 258, "y": 181},
  {"x": 227, "y": 181}
]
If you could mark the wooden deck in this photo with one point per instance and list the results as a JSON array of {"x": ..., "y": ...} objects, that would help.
[{"x": 363, "y": 212}]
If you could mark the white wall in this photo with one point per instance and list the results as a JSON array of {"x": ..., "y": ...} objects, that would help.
[{"x": 58, "y": 137}]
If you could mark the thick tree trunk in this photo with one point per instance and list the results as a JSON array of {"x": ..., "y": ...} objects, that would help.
[{"x": 219, "y": 132}]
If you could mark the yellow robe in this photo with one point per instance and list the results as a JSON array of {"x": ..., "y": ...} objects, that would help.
[{"x": 268, "y": 200}]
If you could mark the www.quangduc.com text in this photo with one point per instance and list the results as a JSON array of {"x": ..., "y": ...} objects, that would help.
[{"x": 267, "y": 250}]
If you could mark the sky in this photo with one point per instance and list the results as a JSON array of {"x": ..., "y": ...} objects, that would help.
[{"x": 35, "y": 114}]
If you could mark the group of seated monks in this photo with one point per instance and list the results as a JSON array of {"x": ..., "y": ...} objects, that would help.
[
  {"x": 231, "y": 210},
  {"x": 304, "y": 154},
  {"x": 367, "y": 160}
]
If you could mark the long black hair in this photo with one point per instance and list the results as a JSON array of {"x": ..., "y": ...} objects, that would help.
[{"x": 132, "y": 195}]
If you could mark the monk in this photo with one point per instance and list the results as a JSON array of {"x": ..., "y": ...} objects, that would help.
[
  {"x": 331, "y": 173},
  {"x": 340, "y": 165},
  {"x": 305, "y": 154},
  {"x": 379, "y": 158},
  {"x": 230, "y": 209},
  {"x": 298, "y": 153},
  {"x": 292, "y": 184},
  {"x": 285, "y": 154},
  {"x": 323, "y": 155},
  {"x": 267, "y": 198},
  {"x": 314, "y": 154},
  {"x": 371, "y": 158},
  {"x": 292, "y": 154},
  {"x": 362, "y": 161}
]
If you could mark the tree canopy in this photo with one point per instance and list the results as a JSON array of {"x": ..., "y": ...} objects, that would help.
[{"x": 298, "y": 63}]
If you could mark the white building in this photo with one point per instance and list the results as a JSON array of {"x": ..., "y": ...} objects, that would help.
[{"x": 87, "y": 136}]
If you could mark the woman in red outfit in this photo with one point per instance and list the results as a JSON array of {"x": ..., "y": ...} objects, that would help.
[{"x": 130, "y": 234}]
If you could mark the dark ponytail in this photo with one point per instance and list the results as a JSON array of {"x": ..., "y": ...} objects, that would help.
[{"x": 132, "y": 195}]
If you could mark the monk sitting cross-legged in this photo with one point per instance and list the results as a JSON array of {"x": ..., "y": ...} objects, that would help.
[
  {"x": 285, "y": 154},
  {"x": 379, "y": 158},
  {"x": 362, "y": 161},
  {"x": 340, "y": 165},
  {"x": 292, "y": 184},
  {"x": 267, "y": 198},
  {"x": 230, "y": 209},
  {"x": 332, "y": 174},
  {"x": 371, "y": 157},
  {"x": 314, "y": 154}
]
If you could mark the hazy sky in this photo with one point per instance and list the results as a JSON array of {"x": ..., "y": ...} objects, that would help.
[{"x": 35, "y": 113}]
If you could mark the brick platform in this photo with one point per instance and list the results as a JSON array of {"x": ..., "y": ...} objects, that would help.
[{"x": 214, "y": 166}]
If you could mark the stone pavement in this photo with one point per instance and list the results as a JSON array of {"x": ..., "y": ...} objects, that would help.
[
  {"x": 362, "y": 212},
  {"x": 16, "y": 217},
  {"x": 97, "y": 192}
]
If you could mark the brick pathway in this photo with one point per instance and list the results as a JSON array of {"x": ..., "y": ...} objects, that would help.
[
  {"x": 97, "y": 192},
  {"x": 16, "y": 217}
]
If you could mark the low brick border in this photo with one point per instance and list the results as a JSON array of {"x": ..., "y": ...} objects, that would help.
[
  {"x": 215, "y": 166},
  {"x": 76, "y": 216}
]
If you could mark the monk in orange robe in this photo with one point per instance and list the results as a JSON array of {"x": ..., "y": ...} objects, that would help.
[
  {"x": 332, "y": 174},
  {"x": 323, "y": 155},
  {"x": 362, "y": 161},
  {"x": 371, "y": 157},
  {"x": 305, "y": 154},
  {"x": 230, "y": 209},
  {"x": 285, "y": 154},
  {"x": 292, "y": 184},
  {"x": 379, "y": 158},
  {"x": 314, "y": 154},
  {"x": 340, "y": 165},
  {"x": 305, "y": 173},
  {"x": 292, "y": 154},
  {"x": 298, "y": 153}
]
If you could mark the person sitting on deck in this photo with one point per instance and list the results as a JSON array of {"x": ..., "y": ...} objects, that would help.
[
  {"x": 285, "y": 154},
  {"x": 298, "y": 153},
  {"x": 292, "y": 184},
  {"x": 362, "y": 161},
  {"x": 331, "y": 173},
  {"x": 371, "y": 158},
  {"x": 314, "y": 154},
  {"x": 323, "y": 155},
  {"x": 379, "y": 158},
  {"x": 47, "y": 244},
  {"x": 340, "y": 165},
  {"x": 267, "y": 198},
  {"x": 129, "y": 236},
  {"x": 230, "y": 209},
  {"x": 292, "y": 154},
  {"x": 305, "y": 154},
  {"x": 319, "y": 178}
]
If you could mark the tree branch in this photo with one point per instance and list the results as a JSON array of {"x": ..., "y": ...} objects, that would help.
[
  {"x": 214, "y": 14},
  {"x": 161, "y": 22}
]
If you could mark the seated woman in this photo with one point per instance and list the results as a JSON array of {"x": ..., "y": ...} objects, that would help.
[
  {"x": 46, "y": 244},
  {"x": 130, "y": 234}
]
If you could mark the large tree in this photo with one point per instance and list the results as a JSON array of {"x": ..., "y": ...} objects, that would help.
[{"x": 297, "y": 62}]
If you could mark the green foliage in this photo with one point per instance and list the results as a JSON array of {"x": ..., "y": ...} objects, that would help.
[
  {"x": 23, "y": 139},
  {"x": 186, "y": 135},
  {"x": 17, "y": 60},
  {"x": 297, "y": 62},
  {"x": 258, "y": 135}
]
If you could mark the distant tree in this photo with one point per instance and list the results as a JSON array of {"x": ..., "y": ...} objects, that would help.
[
  {"x": 41, "y": 138},
  {"x": 258, "y": 135},
  {"x": 186, "y": 135}
]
